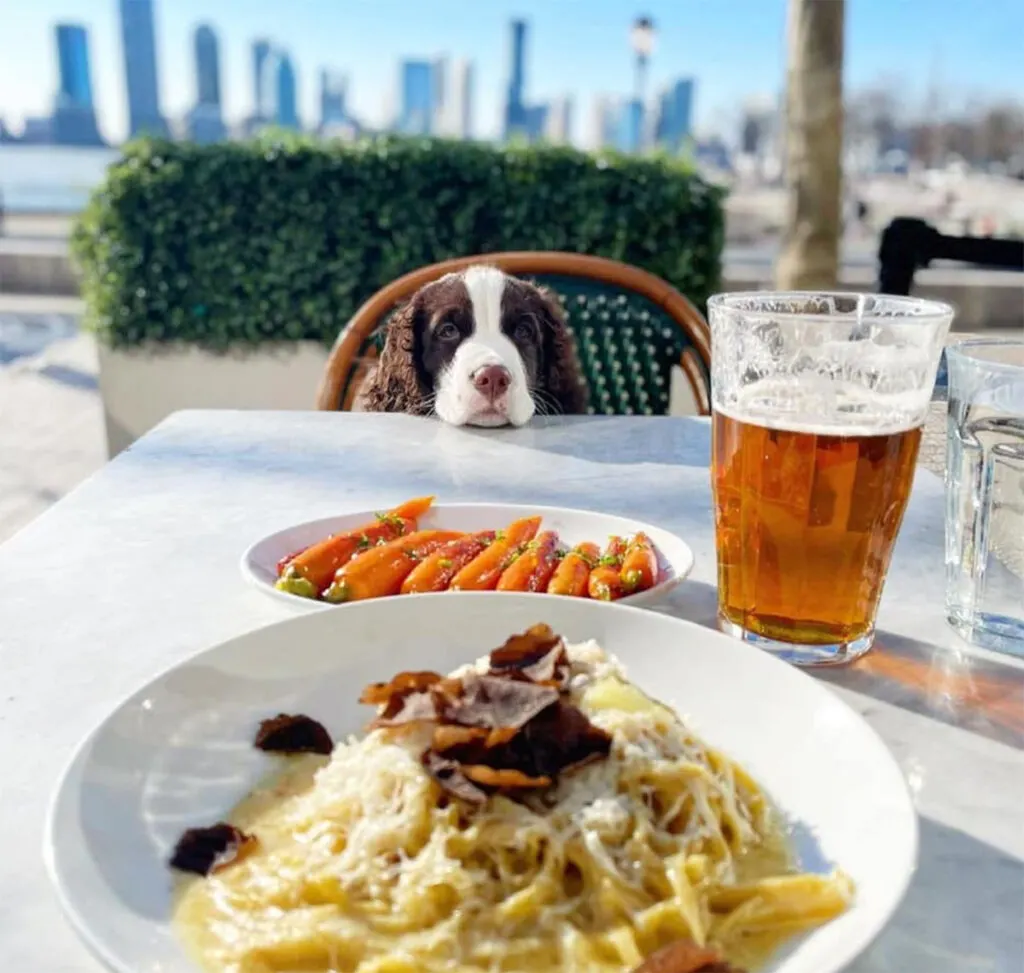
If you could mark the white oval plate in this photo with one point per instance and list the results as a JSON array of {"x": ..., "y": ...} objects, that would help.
[
  {"x": 178, "y": 753},
  {"x": 259, "y": 562}
]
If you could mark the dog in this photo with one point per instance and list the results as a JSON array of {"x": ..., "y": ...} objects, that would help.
[{"x": 477, "y": 348}]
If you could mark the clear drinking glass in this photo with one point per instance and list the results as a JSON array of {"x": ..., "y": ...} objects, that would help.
[
  {"x": 818, "y": 403},
  {"x": 985, "y": 494}
]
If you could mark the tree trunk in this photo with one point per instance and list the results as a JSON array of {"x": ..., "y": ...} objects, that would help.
[{"x": 809, "y": 259}]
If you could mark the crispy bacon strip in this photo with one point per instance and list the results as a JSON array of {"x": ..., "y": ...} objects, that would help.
[
  {"x": 509, "y": 729},
  {"x": 523, "y": 650},
  {"x": 378, "y": 693}
]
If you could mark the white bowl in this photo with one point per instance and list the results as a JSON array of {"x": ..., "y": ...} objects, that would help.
[
  {"x": 259, "y": 562},
  {"x": 178, "y": 753}
]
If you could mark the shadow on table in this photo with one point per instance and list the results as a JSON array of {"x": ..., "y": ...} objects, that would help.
[
  {"x": 961, "y": 914},
  {"x": 954, "y": 686}
]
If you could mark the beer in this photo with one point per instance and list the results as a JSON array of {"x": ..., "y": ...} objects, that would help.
[{"x": 805, "y": 524}]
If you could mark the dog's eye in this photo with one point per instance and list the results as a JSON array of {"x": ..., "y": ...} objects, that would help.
[
  {"x": 524, "y": 330},
  {"x": 446, "y": 331}
]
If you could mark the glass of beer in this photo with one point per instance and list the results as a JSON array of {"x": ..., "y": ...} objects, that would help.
[{"x": 818, "y": 403}]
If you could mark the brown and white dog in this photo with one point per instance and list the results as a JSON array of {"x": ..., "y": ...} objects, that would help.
[{"x": 477, "y": 348}]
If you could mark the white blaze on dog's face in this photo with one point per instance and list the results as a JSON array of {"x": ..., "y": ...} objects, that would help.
[{"x": 487, "y": 377}]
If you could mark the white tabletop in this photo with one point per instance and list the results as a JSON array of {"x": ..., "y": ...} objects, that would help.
[{"x": 138, "y": 568}]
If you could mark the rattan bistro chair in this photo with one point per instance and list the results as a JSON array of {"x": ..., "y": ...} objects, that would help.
[{"x": 631, "y": 328}]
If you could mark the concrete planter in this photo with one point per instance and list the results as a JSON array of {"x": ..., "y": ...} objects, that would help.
[{"x": 141, "y": 387}]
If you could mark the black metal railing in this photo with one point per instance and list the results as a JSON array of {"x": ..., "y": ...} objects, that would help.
[{"x": 909, "y": 245}]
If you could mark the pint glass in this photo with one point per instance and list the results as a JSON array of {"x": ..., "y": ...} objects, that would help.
[{"x": 818, "y": 403}]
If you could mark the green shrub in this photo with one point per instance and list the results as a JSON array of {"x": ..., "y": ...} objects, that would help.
[{"x": 243, "y": 244}]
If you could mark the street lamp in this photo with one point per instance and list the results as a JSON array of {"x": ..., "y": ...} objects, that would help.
[{"x": 641, "y": 40}]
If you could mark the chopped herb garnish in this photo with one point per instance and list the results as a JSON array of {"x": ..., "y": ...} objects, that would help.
[
  {"x": 445, "y": 562},
  {"x": 609, "y": 561},
  {"x": 499, "y": 535},
  {"x": 364, "y": 542}
]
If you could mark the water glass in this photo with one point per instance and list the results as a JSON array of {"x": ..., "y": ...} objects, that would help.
[
  {"x": 818, "y": 405},
  {"x": 985, "y": 494}
]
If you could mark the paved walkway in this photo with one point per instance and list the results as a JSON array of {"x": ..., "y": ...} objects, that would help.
[{"x": 51, "y": 429}]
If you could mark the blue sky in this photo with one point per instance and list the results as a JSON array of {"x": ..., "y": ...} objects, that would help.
[{"x": 969, "y": 49}]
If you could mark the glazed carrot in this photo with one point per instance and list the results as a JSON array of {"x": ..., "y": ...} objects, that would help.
[
  {"x": 570, "y": 577},
  {"x": 435, "y": 572},
  {"x": 318, "y": 563},
  {"x": 605, "y": 583},
  {"x": 532, "y": 570},
  {"x": 411, "y": 509},
  {"x": 286, "y": 560},
  {"x": 614, "y": 552},
  {"x": 381, "y": 570},
  {"x": 639, "y": 564},
  {"x": 483, "y": 572}
]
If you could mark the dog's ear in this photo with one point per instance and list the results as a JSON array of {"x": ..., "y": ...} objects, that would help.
[
  {"x": 398, "y": 383},
  {"x": 563, "y": 377}
]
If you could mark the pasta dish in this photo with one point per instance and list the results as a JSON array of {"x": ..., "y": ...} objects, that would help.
[{"x": 533, "y": 811}]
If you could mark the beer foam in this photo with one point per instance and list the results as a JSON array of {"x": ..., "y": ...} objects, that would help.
[{"x": 824, "y": 407}]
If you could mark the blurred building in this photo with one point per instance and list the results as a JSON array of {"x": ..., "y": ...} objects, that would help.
[
  {"x": 453, "y": 93},
  {"x": 558, "y": 127},
  {"x": 140, "y": 68},
  {"x": 333, "y": 98},
  {"x": 674, "y": 125},
  {"x": 760, "y": 140},
  {"x": 286, "y": 108},
  {"x": 521, "y": 118},
  {"x": 206, "y": 120},
  {"x": 596, "y": 135},
  {"x": 418, "y": 98},
  {"x": 74, "y": 115},
  {"x": 628, "y": 126},
  {"x": 535, "y": 121},
  {"x": 261, "y": 50},
  {"x": 37, "y": 130},
  {"x": 515, "y": 107}
]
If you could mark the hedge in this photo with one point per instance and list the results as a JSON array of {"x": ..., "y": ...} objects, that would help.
[{"x": 242, "y": 244}]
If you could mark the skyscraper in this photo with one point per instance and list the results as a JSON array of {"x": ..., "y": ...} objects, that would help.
[
  {"x": 333, "y": 97},
  {"x": 675, "y": 118},
  {"x": 207, "y": 66},
  {"x": 205, "y": 121},
  {"x": 418, "y": 97},
  {"x": 286, "y": 112},
  {"x": 140, "y": 68},
  {"x": 261, "y": 93},
  {"x": 515, "y": 109},
  {"x": 74, "y": 117},
  {"x": 73, "y": 57}
]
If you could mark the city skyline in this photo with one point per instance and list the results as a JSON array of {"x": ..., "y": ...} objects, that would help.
[
  {"x": 435, "y": 97},
  {"x": 371, "y": 94}
]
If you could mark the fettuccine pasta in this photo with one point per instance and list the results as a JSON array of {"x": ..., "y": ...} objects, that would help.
[{"x": 365, "y": 866}]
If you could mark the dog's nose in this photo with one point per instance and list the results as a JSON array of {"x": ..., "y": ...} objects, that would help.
[{"x": 492, "y": 381}]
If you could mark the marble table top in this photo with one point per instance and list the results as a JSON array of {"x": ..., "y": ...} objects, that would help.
[{"x": 100, "y": 594}]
